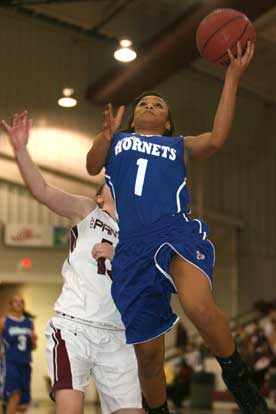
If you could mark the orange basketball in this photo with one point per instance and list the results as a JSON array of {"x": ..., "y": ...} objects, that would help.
[{"x": 221, "y": 30}]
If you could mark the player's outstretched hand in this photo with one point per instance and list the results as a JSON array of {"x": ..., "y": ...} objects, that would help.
[
  {"x": 111, "y": 123},
  {"x": 103, "y": 250},
  {"x": 239, "y": 63},
  {"x": 18, "y": 131}
]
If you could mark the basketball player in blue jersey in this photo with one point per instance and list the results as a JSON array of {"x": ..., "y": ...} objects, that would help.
[
  {"x": 161, "y": 250},
  {"x": 86, "y": 336},
  {"x": 18, "y": 340}
]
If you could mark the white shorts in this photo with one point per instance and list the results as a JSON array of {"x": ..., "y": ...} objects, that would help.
[{"x": 74, "y": 351}]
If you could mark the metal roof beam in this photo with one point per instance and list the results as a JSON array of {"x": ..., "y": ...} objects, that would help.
[{"x": 166, "y": 54}]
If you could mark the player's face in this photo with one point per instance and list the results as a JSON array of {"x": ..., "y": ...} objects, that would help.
[
  {"x": 105, "y": 200},
  {"x": 17, "y": 304},
  {"x": 106, "y": 195},
  {"x": 151, "y": 112}
]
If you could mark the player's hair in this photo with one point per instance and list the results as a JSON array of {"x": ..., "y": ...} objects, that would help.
[
  {"x": 28, "y": 314},
  {"x": 167, "y": 132}
]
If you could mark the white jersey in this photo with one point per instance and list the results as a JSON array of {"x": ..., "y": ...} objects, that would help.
[{"x": 86, "y": 293}]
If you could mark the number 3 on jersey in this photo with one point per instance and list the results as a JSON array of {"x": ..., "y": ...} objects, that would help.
[
  {"x": 140, "y": 176},
  {"x": 22, "y": 343}
]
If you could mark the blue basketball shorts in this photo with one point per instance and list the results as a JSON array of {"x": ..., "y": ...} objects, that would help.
[
  {"x": 17, "y": 378},
  {"x": 142, "y": 285}
]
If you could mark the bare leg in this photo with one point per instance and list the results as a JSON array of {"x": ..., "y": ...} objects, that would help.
[
  {"x": 150, "y": 357},
  {"x": 13, "y": 403},
  {"x": 69, "y": 402},
  {"x": 195, "y": 296}
]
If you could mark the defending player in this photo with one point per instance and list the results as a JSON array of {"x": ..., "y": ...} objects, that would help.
[
  {"x": 87, "y": 335},
  {"x": 18, "y": 340},
  {"x": 161, "y": 250}
]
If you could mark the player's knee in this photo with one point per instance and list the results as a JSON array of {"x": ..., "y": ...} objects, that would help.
[
  {"x": 204, "y": 316},
  {"x": 150, "y": 367},
  {"x": 150, "y": 361},
  {"x": 69, "y": 402},
  {"x": 14, "y": 397}
]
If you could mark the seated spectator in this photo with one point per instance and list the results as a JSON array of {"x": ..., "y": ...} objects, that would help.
[
  {"x": 270, "y": 331},
  {"x": 272, "y": 380},
  {"x": 193, "y": 356},
  {"x": 180, "y": 387},
  {"x": 261, "y": 367}
]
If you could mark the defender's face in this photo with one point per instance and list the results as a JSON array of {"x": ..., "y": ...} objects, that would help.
[
  {"x": 106, "y": 202},
  {"x": 151, "y": 111},
  {"x": 17, "y": 304},
  {"x": 106, "y": 196}
]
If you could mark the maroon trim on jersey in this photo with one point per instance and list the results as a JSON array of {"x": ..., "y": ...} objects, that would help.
[
  {"x": 54, "y": 357},
  {"x": 73, "y": 238},
  {"x": 62, "y": 367}
]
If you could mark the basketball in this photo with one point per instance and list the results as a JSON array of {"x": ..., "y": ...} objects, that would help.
[{"x": 221, "y": 30}]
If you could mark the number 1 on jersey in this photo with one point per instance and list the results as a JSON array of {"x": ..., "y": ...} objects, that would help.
[{"x": 140, "y": 177}]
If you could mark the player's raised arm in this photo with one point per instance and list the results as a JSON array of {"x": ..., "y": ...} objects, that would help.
[
  {"x": 205, "y": 145},
  {"x": 97, "y": 155},
  {"x": 60, "y": 202}
]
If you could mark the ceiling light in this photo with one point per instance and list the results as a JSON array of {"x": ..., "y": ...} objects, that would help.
[
  {"x": 125, "y": 42},
  {"x": 67, "y": 101},
  {"x": 125, "y": 53}
]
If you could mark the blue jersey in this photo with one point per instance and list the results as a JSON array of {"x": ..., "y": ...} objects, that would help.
[
  {"x": 147, "y": 177},
  {"x": 16, "y": 337}
]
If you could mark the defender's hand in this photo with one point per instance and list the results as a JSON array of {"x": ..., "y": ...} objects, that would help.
[
  {"x": 103, "y": 250},
  {"x": 18, "y": 131}
]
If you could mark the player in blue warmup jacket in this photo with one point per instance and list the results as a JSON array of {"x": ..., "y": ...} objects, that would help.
[
  {"x": 161, "y": 250},
  {"x": 18, "y": 340}
]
